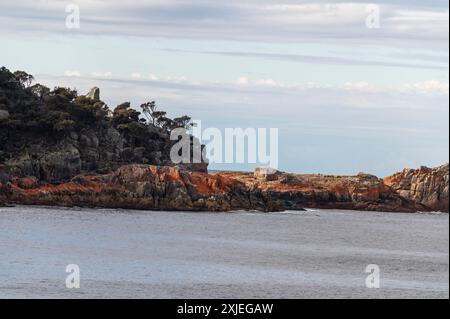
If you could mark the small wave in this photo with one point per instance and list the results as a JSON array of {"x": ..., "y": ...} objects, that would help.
[
  {"x": 432, "y": 213},
  {"x": 297, "y": 213}
]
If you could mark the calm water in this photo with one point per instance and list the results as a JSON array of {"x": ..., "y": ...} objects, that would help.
[{"x": 134, "y": 254}]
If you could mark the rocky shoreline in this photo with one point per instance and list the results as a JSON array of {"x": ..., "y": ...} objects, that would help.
[
  {"x": 150, "y": 187},
  {"x": 143, "y": 187}
]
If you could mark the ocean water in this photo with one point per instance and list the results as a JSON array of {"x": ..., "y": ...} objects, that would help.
[{"x": 137, "y": 254}]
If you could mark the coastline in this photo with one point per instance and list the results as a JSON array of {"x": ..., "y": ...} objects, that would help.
[
  {"x": 148, "y": 187},
  {"x": 73, "y": 150}
]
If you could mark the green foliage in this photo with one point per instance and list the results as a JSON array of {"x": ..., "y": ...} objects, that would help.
[
  {"x": 39, "y": 90},
  {"x": 24, "y": 78},
  {"x": 148, "y": 109},
  {"x": 64, "y": 125},
  {"x": 124, "y": 114},
  {"x": 183, "y": 121}
]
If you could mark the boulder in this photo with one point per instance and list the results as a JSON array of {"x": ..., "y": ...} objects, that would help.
[
  {"x": 4, "y": 115},
  {"x": 267, "y": 174},
  {"x": 94, "y": 94},
  {"x": 4, "y": 174}
]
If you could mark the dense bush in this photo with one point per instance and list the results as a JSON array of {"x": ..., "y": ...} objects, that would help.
[{"x": 32, "y": 114}]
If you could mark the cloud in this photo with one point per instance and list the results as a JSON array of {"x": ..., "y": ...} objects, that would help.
[
  {"x": 360, "y": 86},
  {"x": 427, "y": 87},
  {"x": 102, "y": 74},
  {"x": 250, "y": 20},
  {"x": 70, "y": 73},
  {"x": 424, "y": 87},
  {"x": 277, "y": 89},
  {"x": 245, "y": 83},
  {"x": 243, "y": 80},
  {"x": 267, "y": 82},
  {"x": 331, "y": 60},
  {"x": 256, "y": 100},
  {"x": 136, "y": 75}
]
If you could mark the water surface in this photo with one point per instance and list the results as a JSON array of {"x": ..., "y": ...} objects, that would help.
[{"x": 136, "y": 254}]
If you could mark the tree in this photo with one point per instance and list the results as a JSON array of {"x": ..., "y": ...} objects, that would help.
[
  {"x": 166, "y": 123},
  {"x": 148, "y": 109},
  {"x": 124, "y": 114},
  {"x": 65, "y": 93},
  {"x": 39, "y": 90},
  {"x": 183, "y": 122},
  {"x": 160, "y": 117},
  {"x": 24, "y": 78},
  {"x": 64, "y": 125}
]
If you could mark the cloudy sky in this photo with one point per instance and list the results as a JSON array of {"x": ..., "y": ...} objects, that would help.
[{"x": 346, "y": 97}]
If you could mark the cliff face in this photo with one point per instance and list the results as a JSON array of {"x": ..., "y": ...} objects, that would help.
[
  {"x": 428, "y": 186},
  {"x": 57, "y": 159}
]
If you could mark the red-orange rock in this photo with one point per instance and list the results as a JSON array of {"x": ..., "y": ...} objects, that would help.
[
  {"x": 146, "y": 187},
  {"x": 361, "y": 192},
  {"x": 172, "y": 188}
]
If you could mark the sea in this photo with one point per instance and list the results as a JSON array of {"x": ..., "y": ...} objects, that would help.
[{"x": 48, "y": 252}]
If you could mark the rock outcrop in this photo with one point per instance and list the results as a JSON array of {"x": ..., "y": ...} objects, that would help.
[
  {"x": 297, "y": 191},
  {"x": 4, "y": 115},
  {"x": 428, "y": 186},
  {"x": 266, "y": 174},
  {"x": 175, "y": 188},
  {"x": 143, "y": 187},
  {"x": 94, "y": 94}
]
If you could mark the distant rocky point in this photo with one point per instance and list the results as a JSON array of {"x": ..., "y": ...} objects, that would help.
[{"x": 297, "y": 191}]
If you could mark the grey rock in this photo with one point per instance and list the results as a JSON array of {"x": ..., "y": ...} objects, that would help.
[
  {"x": 267, "y": 174},
  {"x": 94, "y": 94},
  {"x": 4, "y": 115},
  {"x": 428, "y": 186},
  {"x": 52, "y": 167}
]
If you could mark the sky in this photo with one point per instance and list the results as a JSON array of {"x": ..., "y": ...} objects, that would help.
[{"x": 352, "y": 86}]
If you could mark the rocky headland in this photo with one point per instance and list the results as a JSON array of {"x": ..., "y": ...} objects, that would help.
[{"x": 59, "y": 148}]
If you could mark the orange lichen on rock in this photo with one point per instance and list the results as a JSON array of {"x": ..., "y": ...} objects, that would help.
[
  {"x": 361, "y": 192},
  {"x": 144, "y": 187},
  {"x": 211, "y": 184}
]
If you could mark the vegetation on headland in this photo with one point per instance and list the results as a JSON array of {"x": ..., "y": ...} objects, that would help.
[
  {"x": 36, "y": 120},
  {"x": 37, "y": 107}
]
